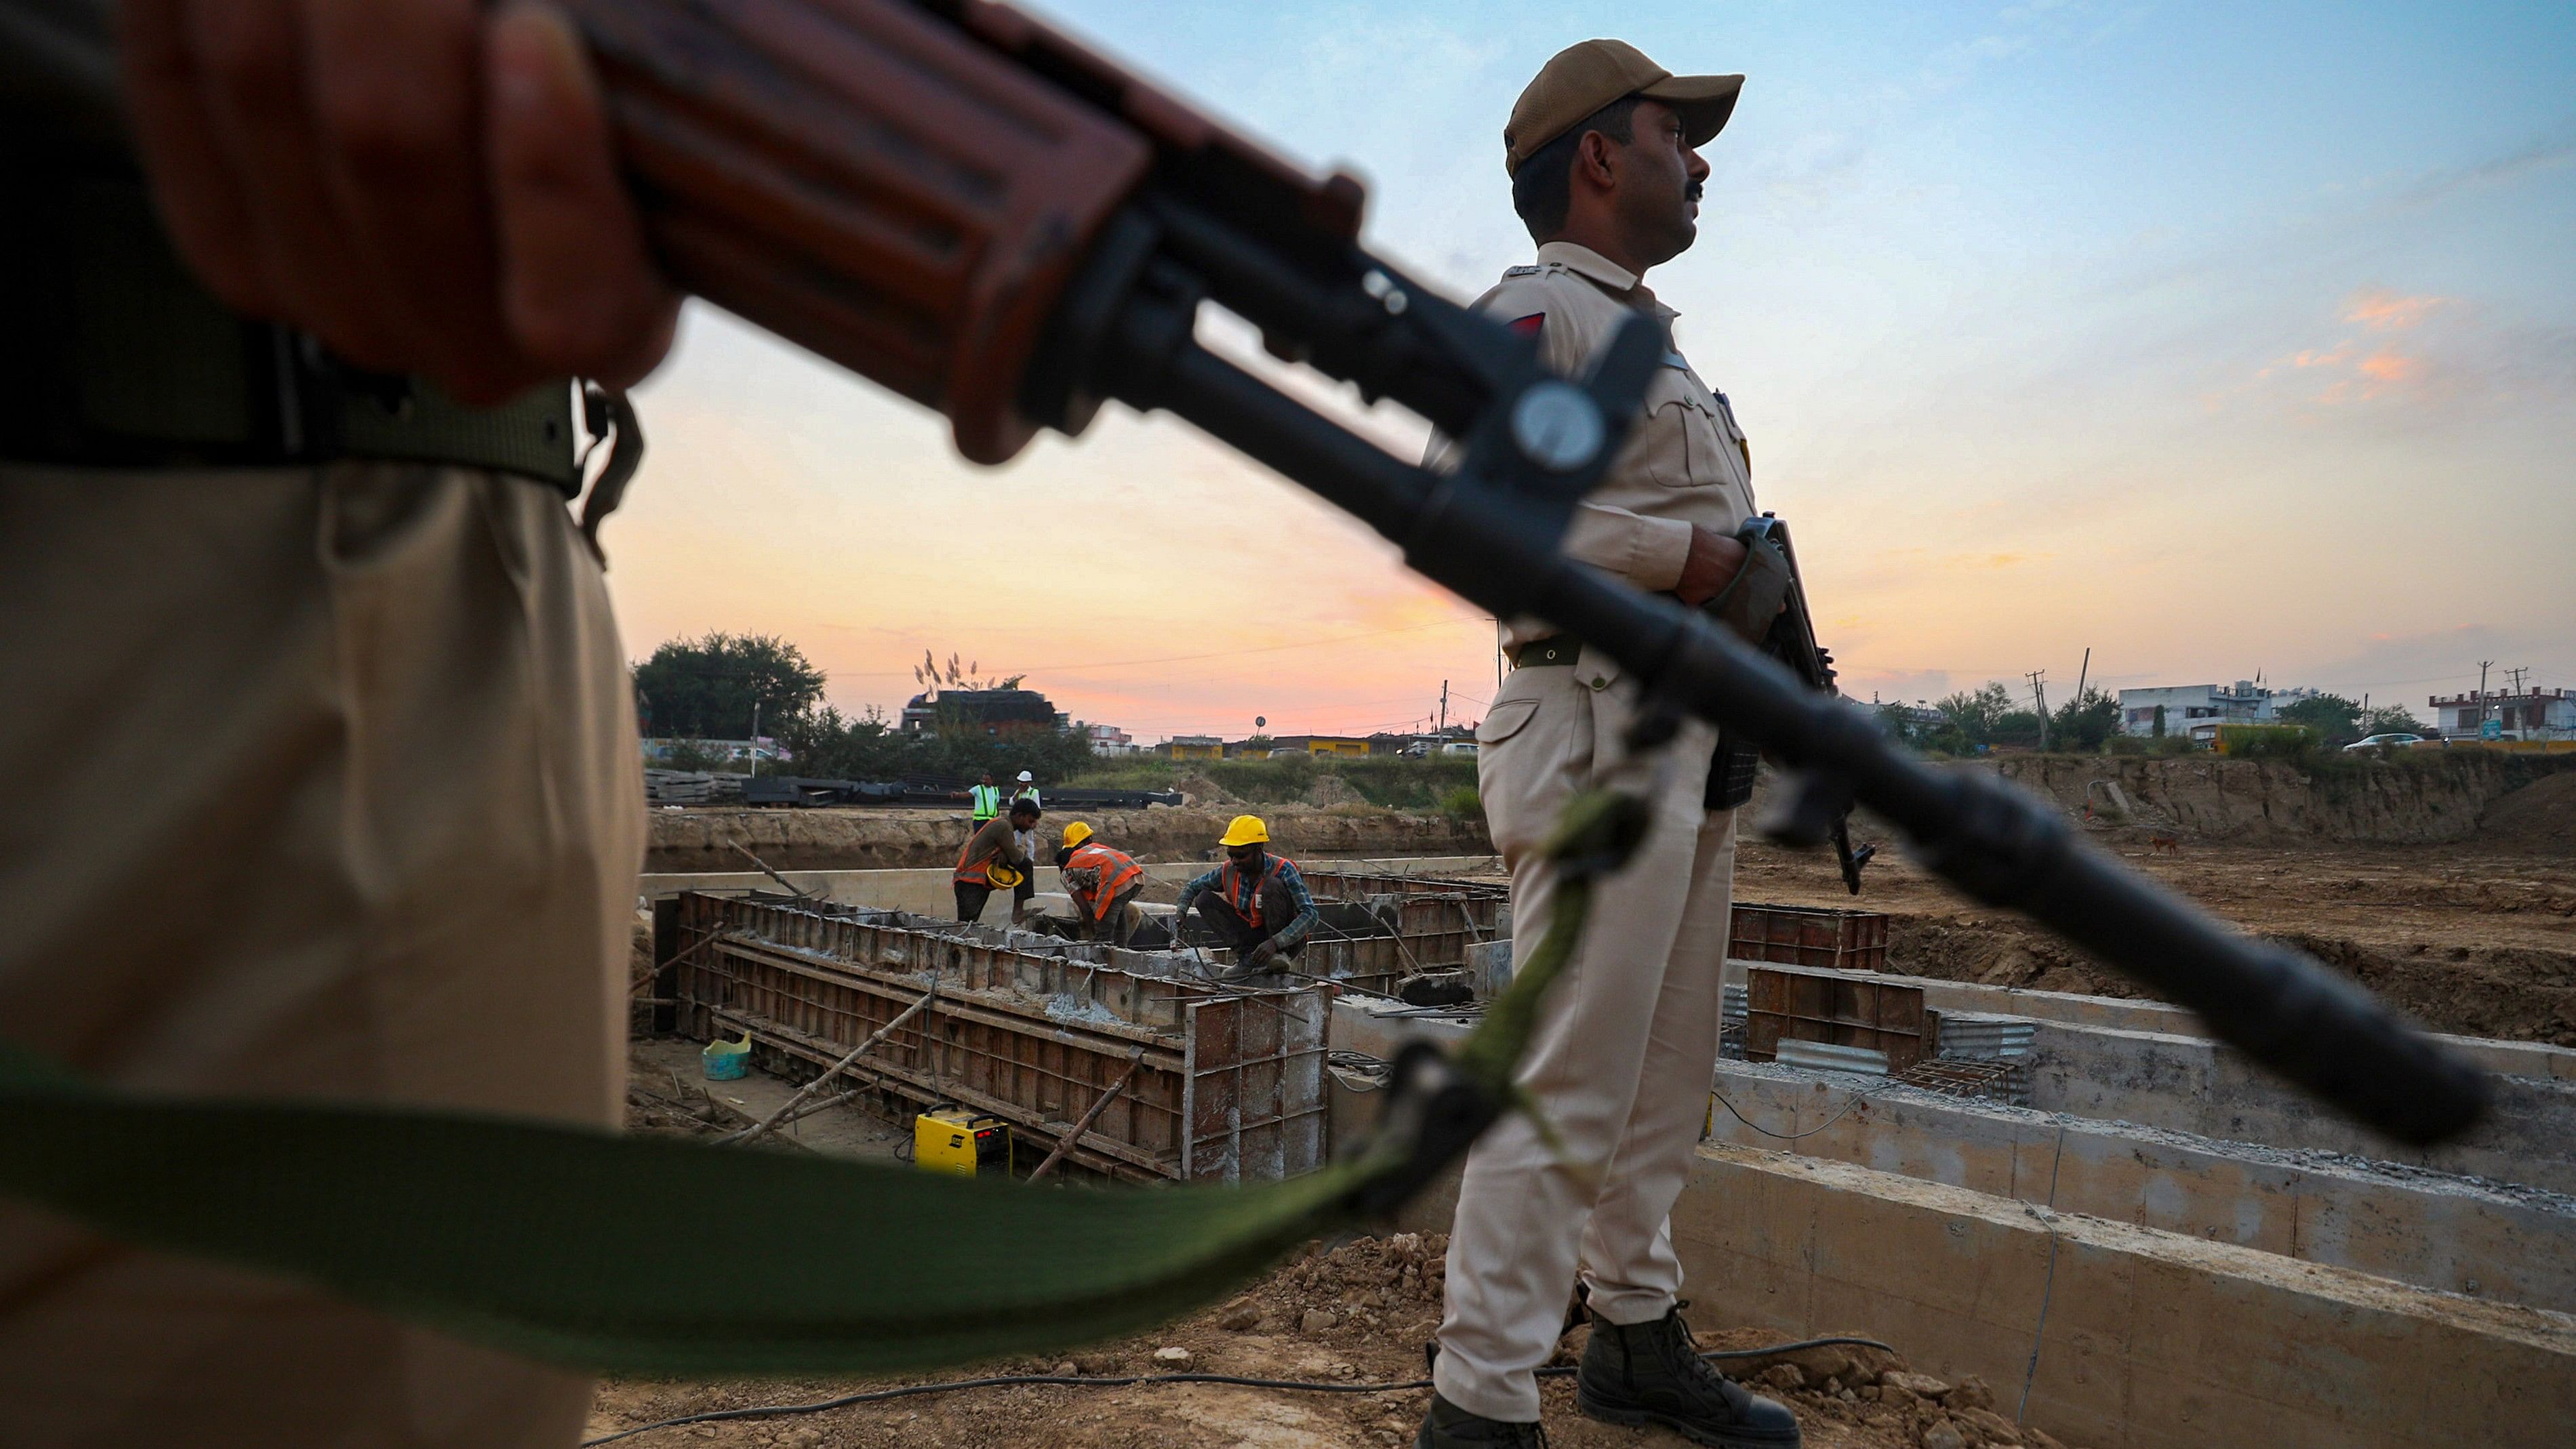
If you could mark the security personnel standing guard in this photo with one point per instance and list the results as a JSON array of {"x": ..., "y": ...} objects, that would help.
[
  {"x": 331, "y": 643},
  {"x": 1602, "y": 152}
]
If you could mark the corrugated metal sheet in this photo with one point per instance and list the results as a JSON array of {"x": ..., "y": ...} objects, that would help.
[
  {"x": 1975, "y": 1037},
  {"x": 1817, "y": 1056}
]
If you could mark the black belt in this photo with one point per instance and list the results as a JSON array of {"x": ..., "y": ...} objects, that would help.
[
  {"x": 1554, "y": 649},
  {"x": 111, "y": 355}
]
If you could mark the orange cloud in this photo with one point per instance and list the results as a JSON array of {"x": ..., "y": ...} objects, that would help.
[
  {"x": 2389, "y": 367},
  {"x": 2384, "y": 311}
]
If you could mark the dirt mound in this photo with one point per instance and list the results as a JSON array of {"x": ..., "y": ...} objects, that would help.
[
  {"x": 1200, "y": 790},
  {"x": 1330, "y": 790},
  {"x": 2540, "y": 817}
]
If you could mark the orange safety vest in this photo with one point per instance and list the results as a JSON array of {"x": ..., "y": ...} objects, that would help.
[
  {"x": 1118, "y": 870},
  {"x": 1247, "y": 903},
  {"x": 973, "y": 869}
]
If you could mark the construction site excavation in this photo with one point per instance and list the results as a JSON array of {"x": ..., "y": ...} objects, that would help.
[{"x": 2032, "y": 1204}]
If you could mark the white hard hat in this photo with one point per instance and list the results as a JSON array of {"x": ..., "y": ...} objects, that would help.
[{"x": 1025, "y": 775}]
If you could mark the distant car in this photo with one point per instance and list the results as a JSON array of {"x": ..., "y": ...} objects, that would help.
[
  {"x": 1459, "y": 747},
  {"x": 1285, "y": 753},
  {"x": 2379, "y": 741},
  {"x": 1415, "y": 751}
]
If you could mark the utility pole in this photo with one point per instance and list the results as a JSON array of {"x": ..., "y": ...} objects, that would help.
[
  {"x": 2483, "y": 665},
  {"x": 2039, "y": 701},
  {"x": 2518, "y": 673},
  {"x": 755, "y": 734},
  {"x": 1444, "y": 706}
]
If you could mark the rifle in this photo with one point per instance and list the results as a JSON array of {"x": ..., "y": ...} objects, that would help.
[
  {"x": 1766, "y": 602},
  {"x": 975, "y": 211}
]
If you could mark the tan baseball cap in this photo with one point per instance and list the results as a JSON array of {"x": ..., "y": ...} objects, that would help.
[{"x": 1581, "y": 79}]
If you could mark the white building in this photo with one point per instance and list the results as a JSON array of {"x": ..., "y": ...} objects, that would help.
[
  {"x": 2533, "y": 714},
  {"x": 2197, "y": 710}
]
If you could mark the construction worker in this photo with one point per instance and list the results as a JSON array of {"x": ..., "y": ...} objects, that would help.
[
  {"x": 1026, "y": 891},
  {"x": 995, "y": 859},
  {"x": 986, "y": 799},
  {"x": 1256, "y": 902},
  {"x": 1602, "y": 152},
  {"x": 1104, "y": 885},
  {"x": 291, "y": 577}
]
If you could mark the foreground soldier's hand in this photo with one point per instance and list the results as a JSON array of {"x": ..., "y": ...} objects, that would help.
[{"x": 426, "y": 186}]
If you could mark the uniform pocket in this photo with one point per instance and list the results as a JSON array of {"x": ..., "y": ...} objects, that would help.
[
  {"x": 1508, "y": 719},
  {"x": 1533, "y": 752},
  {"x": 1680, "y": 434}
]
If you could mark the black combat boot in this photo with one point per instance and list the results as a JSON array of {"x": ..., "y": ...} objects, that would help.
[
  {"x": 1449, "y": 1427},
  {"x": 1651, "y": 1373}
]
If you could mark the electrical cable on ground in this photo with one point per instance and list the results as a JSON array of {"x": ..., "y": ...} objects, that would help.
[
  {"x": 1855, "y": 1101},
  {"x": 1005, "y": 1381}
]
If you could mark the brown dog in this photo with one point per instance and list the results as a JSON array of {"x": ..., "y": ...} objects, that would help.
[{"x": 2164, "y": 843}]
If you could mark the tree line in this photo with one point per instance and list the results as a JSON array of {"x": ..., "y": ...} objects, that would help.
[
  {"x": 1974, "y": 720},
  {"x": 715, "y": 687}
]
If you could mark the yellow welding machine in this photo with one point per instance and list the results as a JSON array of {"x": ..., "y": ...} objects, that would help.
[{"x": 961, "y": 1140}]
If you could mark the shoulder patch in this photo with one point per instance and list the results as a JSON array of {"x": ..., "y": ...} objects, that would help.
[
  {"x": 1529, "y": 271},
  {"x": 1528, "y": 326}
]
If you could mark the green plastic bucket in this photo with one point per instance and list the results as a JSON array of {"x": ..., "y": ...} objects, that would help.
[{"x": 726, "y": 1060}]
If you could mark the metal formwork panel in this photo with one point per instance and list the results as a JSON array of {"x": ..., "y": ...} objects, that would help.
[
  {"x": 1224, "y": 1083},
  {"x": 1436, "y": 921},
  {"x": 1879, "y": 1016},
  {"x": 1808, "y": 936}
]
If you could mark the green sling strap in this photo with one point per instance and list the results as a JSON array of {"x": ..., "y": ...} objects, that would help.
[{"x": 654, "y": 1255}]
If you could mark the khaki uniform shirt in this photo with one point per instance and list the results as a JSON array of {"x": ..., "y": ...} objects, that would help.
[{"x": 1686, "y": 461}]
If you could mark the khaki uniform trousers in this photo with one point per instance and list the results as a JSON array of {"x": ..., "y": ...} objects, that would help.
[
  {"x": 1623, "y": 1055},
  {"x": 323, "y": 784}
]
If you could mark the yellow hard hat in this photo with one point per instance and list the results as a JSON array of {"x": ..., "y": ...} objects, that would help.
[
  {"x": 1003, "y": 875},
  {"x": 1075, "y": 833},
  {"x": 1245, "y": 830}
]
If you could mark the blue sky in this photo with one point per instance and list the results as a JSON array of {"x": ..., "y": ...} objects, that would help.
[{"x": 2213, "y": 338}]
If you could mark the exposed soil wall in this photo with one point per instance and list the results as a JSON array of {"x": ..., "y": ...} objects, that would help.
[
  {"x": 684, "y": 840},
  {"x": 2408, "y": 801}
]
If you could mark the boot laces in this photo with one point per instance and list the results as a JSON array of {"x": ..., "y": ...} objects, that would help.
[{"x": 1682, "y": 1346}]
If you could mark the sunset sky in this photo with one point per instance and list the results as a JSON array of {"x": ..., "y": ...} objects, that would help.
[{"x": 2214, "y": 338}]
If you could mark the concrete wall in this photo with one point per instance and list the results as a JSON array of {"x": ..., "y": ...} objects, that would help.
[
  {"x": 2517, "y": 1244},
  {"x": 2513, "y": 1058},
  {"x": 2191, "y": 1085},
  {"x": 2151, "y": 1340}
]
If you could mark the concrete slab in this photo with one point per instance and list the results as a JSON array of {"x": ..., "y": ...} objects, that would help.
[
  {"x": 2146, "y": 1339},
  {"x": 2189, "y": 1084},
  {"x": 2435, "y": 1231}
]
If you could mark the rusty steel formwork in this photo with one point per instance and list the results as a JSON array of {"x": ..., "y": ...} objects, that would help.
[
  {"x": 1841, "y": 1011},
  {"x": 1433, "y": 922},
  {"x": 1844, "y": 940},
  {"x": 1228, "y": 1085}
]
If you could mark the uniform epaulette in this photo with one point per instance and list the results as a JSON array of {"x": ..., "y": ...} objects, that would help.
[{"x": 1529, "y": 271}]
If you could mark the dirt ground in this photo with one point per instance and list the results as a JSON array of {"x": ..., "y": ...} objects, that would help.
[
  {"x": 1354, "y": 1314},
  {"x": 2472, "y": 938}
]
